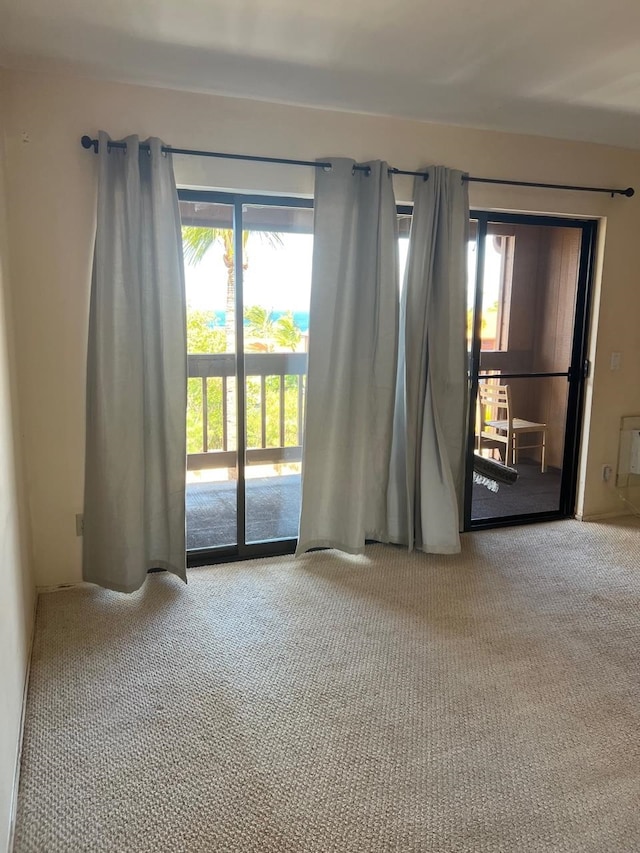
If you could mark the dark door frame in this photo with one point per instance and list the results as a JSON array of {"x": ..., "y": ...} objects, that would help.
[
  {"x": 241, "y": 550},
  {"x": 576, "y": 373}
]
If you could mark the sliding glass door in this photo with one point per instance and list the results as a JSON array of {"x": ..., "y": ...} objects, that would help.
[
  {"x": 527, "y": 316},
  {"x": 248, "y": 278}
]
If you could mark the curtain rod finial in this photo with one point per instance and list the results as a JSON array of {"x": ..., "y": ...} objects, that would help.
[
  {"x": 87, "y": 142},
  {"x": 629, "y": 192}
]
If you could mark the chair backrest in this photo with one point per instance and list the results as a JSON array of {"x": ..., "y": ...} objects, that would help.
[{"x": 495, "y": 402}]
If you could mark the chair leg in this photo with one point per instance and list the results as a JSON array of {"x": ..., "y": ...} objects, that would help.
[{"x": 543, "y": 466}]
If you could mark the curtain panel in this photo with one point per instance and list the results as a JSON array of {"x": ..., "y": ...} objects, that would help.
[
  {"x": 426, "y": 481},
  {"x": 353, "y": 330},
  {"x": 134, "y": 512}
]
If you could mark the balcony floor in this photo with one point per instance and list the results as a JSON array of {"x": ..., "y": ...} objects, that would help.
[
  {"x": 532, "y": 492},
  {"x": 273, "y": 509},
  {"x": 273, "y": 506}
]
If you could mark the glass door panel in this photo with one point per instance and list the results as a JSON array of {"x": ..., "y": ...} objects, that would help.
[
  {"x": 405, "y": 215},
  {"x": 212, "y": 473},
  {"x": 248, "y": 283},
  {"x": 529, "y": 344},
  {"x": 276, "y": 292},
  {"x": 534, "y": 448},
  {"x": 528, "y": 297},
  {"x": 471, "y": 285}
]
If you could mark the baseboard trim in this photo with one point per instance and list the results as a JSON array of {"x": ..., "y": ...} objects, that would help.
[
  {"x": 61, "y": 587},
  {"x": 23, "y": 716},
  {"x": 602, "y": 516}
]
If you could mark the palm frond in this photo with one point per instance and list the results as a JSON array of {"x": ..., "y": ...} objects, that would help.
[
  {"x": 287, "y": 333},
  {"x": 197, "y": 240},
  {"x": 271, "y": 238},
  {"x": 259, "y": 321}
]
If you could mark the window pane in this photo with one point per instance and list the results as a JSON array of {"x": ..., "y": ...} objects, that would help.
[
  {"x": 207, "y": 233},
  {"x": 535, "y": 448},
  {"x": 277, "y": 289}
]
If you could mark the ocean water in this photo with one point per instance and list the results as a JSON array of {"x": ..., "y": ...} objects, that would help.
[{"x": 301, "y": 319}]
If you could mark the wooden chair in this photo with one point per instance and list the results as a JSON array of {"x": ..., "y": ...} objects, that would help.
[{"x": 496, "y": 424}]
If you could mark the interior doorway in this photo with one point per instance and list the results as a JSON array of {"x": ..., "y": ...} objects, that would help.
[
  {"x": 248, "y": 284},
  {"x": 528, "y": 304}
]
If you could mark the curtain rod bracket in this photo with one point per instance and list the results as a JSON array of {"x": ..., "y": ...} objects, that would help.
[{"x": 87, "y": 142}]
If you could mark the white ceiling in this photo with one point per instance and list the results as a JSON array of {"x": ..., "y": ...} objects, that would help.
[{"x": 567, "y": 68}]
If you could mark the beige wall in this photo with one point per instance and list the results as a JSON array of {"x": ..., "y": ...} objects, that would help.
[
  {"x": 16, "y": 586},
  {"x": 52, "y": 199}
]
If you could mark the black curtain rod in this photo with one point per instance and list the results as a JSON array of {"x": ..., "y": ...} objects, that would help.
[{"x": 87, "y": 142}]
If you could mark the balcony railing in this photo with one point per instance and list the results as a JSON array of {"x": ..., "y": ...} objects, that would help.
[{"x": 274, "y": 395}]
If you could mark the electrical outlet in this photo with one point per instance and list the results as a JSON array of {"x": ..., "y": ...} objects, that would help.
[
  {"x": 79, "y": 524},
  {"x": 607, "y": 471}
]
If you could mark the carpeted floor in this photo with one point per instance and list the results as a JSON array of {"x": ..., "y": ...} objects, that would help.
[{"x": 334, "y": 704}]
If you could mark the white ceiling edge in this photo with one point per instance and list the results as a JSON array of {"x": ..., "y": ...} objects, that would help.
[{"x": 543, "y": 119}]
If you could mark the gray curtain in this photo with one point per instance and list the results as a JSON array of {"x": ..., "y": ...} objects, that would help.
[
  {"x": 352, "y": 359},
  {"x": 430, "y": 425},
  {"x": 134, "y": 512}
]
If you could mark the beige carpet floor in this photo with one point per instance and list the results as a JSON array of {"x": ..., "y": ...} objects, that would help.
[{"x": 340, "y": 704}]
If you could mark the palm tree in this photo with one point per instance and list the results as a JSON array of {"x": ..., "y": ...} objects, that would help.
[{"x": 198, "y": 239}]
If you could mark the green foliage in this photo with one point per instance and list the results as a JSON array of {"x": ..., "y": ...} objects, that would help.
[
  {"x": 489, "y": 319},
  {"x": 272, "y": 411},
  {"x": 253, "y": 412},
  {"x": 196, "y": 242},
  {"x": 258, "y": 321},
  {"x": 286, "y": 333},
  {"x": 203, "y": 338}
]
